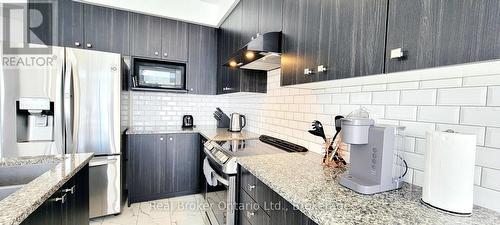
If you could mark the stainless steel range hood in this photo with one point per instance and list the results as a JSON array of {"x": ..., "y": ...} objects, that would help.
[{"x": 262, "y": 53}]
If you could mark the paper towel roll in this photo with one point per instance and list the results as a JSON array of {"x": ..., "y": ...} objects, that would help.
[{"x": 449, "y": 171}]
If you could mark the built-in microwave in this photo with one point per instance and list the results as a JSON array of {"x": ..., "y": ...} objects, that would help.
[{"x": 158, "y": 75}]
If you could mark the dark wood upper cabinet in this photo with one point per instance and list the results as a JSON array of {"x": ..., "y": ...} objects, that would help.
[
  {"x": 71, "y": 24},
  {"x": 145, "y": 36},
  {"x": 106, "y": 29},
  {"x": 352, "y": 38},
  {"x": 347, "y": 37},
  {"x": 250, "y": 20},
  {"x": 442, "y": 32},
  {"x": 201, "y": 69},
  {"x": 301, "y": 20},
  {"x": 270, "y": 16},
  {"x": 174, "y": 36}
]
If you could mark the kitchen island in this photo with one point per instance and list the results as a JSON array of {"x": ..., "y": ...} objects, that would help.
[
  {"x": 18, "y": 206},
  {"x": 302, "y": 181}
]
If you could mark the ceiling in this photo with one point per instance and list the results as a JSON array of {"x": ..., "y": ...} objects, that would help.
[{"x": 204, "y": 12}]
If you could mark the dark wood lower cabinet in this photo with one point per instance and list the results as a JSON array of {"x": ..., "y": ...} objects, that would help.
[
  {"x": 67, "y": 206},
  {"x": 162, "y": 166},
  {"x": 263, "y": 206}
]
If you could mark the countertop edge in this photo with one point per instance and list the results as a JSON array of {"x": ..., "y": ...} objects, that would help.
[{"x": 26, "y": 210}]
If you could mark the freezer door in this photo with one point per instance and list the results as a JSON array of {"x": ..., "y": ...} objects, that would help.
[
  {"x": 92, "y": 97},
  {"x": 31, "y": 80},
  {"x": 105, "y": 186}
]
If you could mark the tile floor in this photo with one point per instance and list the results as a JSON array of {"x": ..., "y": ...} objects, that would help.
[{"x": 173, "y": 211}]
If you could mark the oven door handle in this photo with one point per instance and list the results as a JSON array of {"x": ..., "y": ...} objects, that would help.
[{"x": 221, "y": 179}]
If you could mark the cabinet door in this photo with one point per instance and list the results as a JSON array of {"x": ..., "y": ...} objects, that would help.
[
  {"x": 70, "y": 24},
  {"x": 442, "y": 32},
  {"x": 106, "y": 29},
  {"x": 300, "y": 40},
  {"x": 270, "y": 16},
  {"x": 146, "y": 36},
  {"x": 49, "y": 213},
  {"x": 174, "y": 40},
  {"x": 41, "y": 27},
  {"x": 352, "y": 38},
  {"x": 148, "y": 171},
  {"x": 249, "y": 20},
  {"x": 202, "y": 62},
  {"x": 183, "y": 162}
]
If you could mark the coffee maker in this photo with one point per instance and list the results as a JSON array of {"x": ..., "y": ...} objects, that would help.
[{"x": 375, "y": 162}]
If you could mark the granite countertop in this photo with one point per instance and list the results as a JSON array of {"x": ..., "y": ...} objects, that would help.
[
  {"x": 209, "y": 132},
  {"x": 302, "y": 181},
  {"x": 19, "y": 205}
]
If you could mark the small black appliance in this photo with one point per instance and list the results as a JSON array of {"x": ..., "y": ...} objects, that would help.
[{"x": 187, "y": 121}]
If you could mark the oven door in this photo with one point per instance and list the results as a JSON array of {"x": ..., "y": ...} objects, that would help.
[{"x": 221, "y": 198}]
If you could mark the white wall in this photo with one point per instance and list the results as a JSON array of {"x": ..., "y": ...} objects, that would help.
[{"x": 465, "y": 98}]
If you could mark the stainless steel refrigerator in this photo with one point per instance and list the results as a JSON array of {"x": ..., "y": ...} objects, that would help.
[{"x": 70, "y": 105}]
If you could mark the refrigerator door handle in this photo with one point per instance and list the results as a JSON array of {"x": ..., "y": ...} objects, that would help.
[{"x": 67, "y": 106}]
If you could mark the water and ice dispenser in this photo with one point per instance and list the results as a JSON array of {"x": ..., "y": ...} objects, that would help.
[
  {"x": 35, "y": 120},
  {"x": 376, "y": 164}
]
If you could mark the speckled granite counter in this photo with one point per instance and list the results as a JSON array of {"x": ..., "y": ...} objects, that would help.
[
  {"x": 19, "y": 205},
  {"x": 301, "y": 180},
  {"x": 210, "y": 132}
]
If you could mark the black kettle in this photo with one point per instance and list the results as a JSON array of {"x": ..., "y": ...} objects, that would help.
[{"x": 187, "y": 121}]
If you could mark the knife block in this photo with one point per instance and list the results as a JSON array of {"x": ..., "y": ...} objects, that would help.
[{"x": 223, "y": 122}]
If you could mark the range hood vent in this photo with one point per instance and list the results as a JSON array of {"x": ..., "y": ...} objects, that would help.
[{"x": 262, "y": 53}]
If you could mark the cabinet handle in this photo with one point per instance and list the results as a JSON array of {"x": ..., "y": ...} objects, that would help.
[
  {"x": 78, "y": 44},
  {"x": 89, "y": 45},
  {"x": 398, "y": 54},
  {"x": 250, "y": 214},
  {"x": 170, "y": 139},
  {"x": 251, "y": 187},
  {"x": 161, "y": 139},
  {"x": 157, "y": 53},
  {"x": 165, "y": 54},
  {"x": 61, "y": 199},
  {"x": 308, "y": 71},
  {"x": 191, "y": 89},
  {"x": 321, "y": 68},
  {"x": 70, "y": 190}
]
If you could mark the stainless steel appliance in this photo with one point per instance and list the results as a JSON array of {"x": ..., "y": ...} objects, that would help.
[
  {"x": 263, "y": 52},
  {"x": 237, "y": 123},
  {"x": 375, "y": 165},
  {"x": 71, "y": 105},
  {"x": 187, "y": 121},
  {"x": 157, "y": 74},
  {"x": 221, "y": 157}
]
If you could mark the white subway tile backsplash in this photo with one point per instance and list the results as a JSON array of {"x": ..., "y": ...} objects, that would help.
[
  {"x": 478, "y": 131},
  {"x": 401, "y": 112},
  {"x": 490, "y": 179},
  {"x": 374, "y": 87},
  {"x": 340, "y": 98},
  {"x": 417, "y": 129},
  {"x": 385, "y": 98},
  {"x": 445, "y": 83},
  {"x": 488, "y": 157},
  {"x": 414, "y": 160},
  {"x": 418, "y": 97},
  {"x": 324, "y": 99},
  {"x": 361, "y": 98},
  {"x": 494, "y": 96},
  {"x": 475, "y": 96},
  {"x": 482, "y": 80},
  {"x": 439, "y": 114},
  {"x": 487, "y": 198},
  {"x": 492, "y": 137},
  {"x": 403, "y": 86},
  {"x": 351, "y": 89},
  {"x": 418, "y": 178},
  {"x": 481, "y": 116}
]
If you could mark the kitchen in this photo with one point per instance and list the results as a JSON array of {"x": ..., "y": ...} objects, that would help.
[{"x": 175, "y": 112}]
